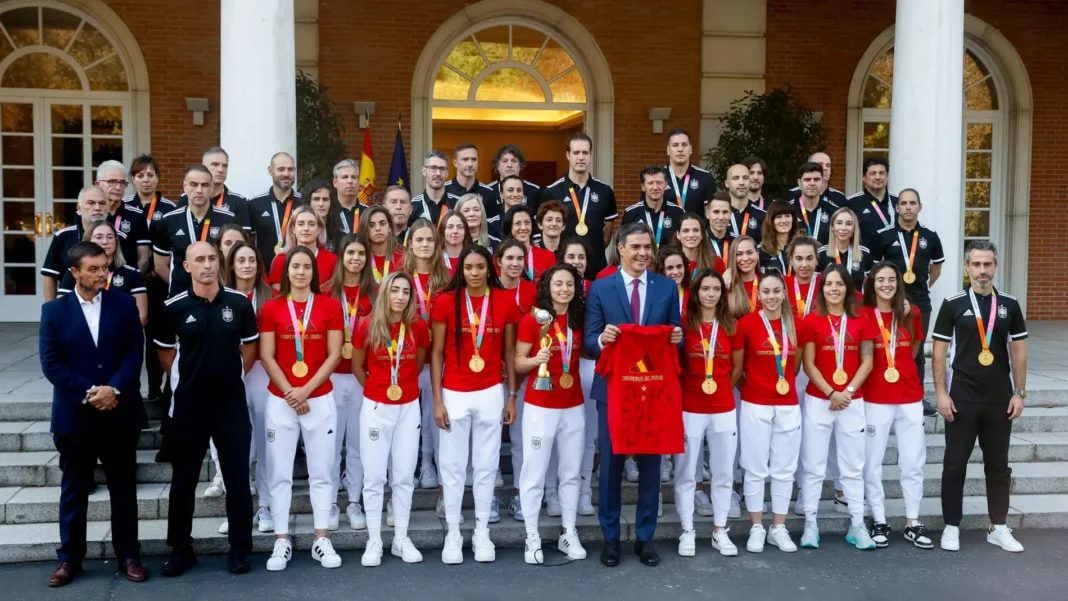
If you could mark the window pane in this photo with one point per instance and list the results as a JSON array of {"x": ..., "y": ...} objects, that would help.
[
  {"x": 525, "y": 44},
  {"x": 510, "y": 85},
  {"x": 109, "y": 75},
  {"x": 59, "y": 27},
  {"x": 106, "y": 120},
  {"x": 973, "y": 69},
  {"x": 67, "y": 152},
  {"x": 494, "y": 42},
  {"x": 5, "y": 47},
  {"x": 877, "y": 134},
  {"x": 883, "y": 67},
  {"x": 18, "y": 183},
  {"x": 981, "y": 97},
  {"x": 16, "y": 118},
  {"x": 976, "y": 224},
  {"x": 569, "y": 88},
  {"x": 980, "y": 136},
  {"x": 19, "y": 248},
  {"x": 977, "y": 194},
  {"x": 449, "y": 85},
  {"x": 18, "y": 150},
  {"x": 977, "y": 165},
  {"x": 43, "y": 71},
  {"x": 90, "y": 46},
  {"x": 106, "y": 149},
  {"x": 67, "y": 184},
  {"x": 20, "y": 281},
  {"x": 553, "y": 61},
  {"x": 64, "y": 214},
  {"x": 18, "y": 216},
  {"x": 21, "y": 25},
  {"x": 876, "y": 95},
  {"x": 466, "y": 58}
]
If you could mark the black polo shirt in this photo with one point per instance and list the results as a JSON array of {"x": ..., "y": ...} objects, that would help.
[
  {"x": 491, "y": 202},
  {"x": 818, "y": 224},
  {"x": 423, "y": 207},
  {"x": 760, "y": 203},
  {"x": 228, "y": 200},
  {"x": 600, "y": 209},
  {"x": 177, "y": 230},
  {"x": 207, "y": 336},
  {"x": 641, "y": 212},
  {"x": 971, "y": 382},
  {"x": 831, "y": 195},
  {"x": 778, "y": 261},
  {"x": 129, "y": 221},
  {"x": 858, "y": 266},
  {"x": 124, "y": 279},
  {"x": 719, "y": 245},
  {"x": 872, "y": 220},
  {"x": 749, "y": 222},
  {"x": 349, "y": 218},
  {"x": 692, "y": 191},
  {"x": 266, "y": 214},
  {"x": 928, "y": 252},
  {"x": 163, "y": 206},
  {"x": 55, "y": 262}
]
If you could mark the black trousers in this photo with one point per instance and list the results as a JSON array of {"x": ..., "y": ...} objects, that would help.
[
  {"x": 157, "y": 293},
  {"x": 921, "y": 361},
  {"x": 232, "y": 432},
  {"x": 78, "y": 454},
  {"x": 989, "y": 422}
]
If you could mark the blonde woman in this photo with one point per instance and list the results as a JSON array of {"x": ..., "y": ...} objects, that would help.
[
  {"x": 304, "y": 229},
  {"x": 845, "y": 249},
  {"x": 743, "y": 277},
  {"x": 470, "y": 207}
]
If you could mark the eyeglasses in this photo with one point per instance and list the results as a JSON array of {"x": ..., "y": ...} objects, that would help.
[
  {"x": 111, "y": 183},
  {"x": 433, "y": 169}
]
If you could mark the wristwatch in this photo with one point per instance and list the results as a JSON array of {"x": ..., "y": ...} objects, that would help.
[{"x": 1020, "y": 392}]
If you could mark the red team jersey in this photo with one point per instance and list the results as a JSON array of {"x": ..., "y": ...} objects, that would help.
[
  {"x": 363, "y": 308},
  {"x": 543, "y": 260},
  {"x": 761, "y": 375},
  {"x": 502, "y": 311},
  {"x": 425, "y": 306},
  {"x": 524, "y": 296},
  {"x": 559, "y": 397},
  {"x": 908, "y": 388},
  {"x": 325, "y": 261},
  {"x": 276, "y": 319},
  {"x": 816, "y": 328},
  {"x": 378, "y": 363},
  {"x": 694, "y": 400},
  {"x": 607, "y": 271},
  {"x": 802, "y": 291},
  {"x": 718, "y": 266},
  {"x": 754, "y": 296}
]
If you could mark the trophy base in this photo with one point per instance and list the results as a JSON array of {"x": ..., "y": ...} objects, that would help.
[{"x": 544, "y": 384}]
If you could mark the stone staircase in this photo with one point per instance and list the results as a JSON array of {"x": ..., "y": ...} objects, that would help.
[{"x": 30, "y": 477}]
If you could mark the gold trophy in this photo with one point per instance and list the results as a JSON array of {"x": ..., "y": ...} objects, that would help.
[{"x": 544, "y": 381}]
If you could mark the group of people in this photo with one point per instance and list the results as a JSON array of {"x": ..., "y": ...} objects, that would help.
[{"x": 392, "y": 342}]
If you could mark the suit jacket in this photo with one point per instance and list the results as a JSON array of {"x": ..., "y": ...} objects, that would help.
[
  {"x": 74, "y": 364},
  {"x": 608, "y": 302}
]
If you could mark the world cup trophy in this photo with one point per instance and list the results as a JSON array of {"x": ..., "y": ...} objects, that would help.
[{"x": 544, "y": 381}]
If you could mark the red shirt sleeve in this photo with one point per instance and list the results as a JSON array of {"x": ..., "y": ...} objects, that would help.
[
  {"x": 528, "y": 330},
  {"x": 266, "y": 318},
  {"x": 359, "y": 333},
  {"x": 421, "y": 332},
  {"x": 442, "y": 310},
  {"x": 334, "y": 319}
]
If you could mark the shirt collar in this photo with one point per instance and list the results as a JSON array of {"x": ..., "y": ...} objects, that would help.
[
  {"x": 95, "y": 301},
  {"x": 627, "y": 278}
]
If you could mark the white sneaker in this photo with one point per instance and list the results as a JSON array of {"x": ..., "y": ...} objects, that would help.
[
  {"x": 470, "y": 480},
  {"x": 323, "y": 551},
  {"x": 405, "y": 549},
  {"x": 483, "y": 547},
  {"x": 1002, "y": 537},
  {"x": 688, "y": 543},
  {"x": 706, "y": 476},
  {"x": 810, "y": 538},
  {"x": 665, "y": 468},
  {"x": 429, "y": 477},
  {"x": 780, "y": 537},
  {"x": 389, "y": 513},
  {"x": 264, "y": 520},
  {"x": 335, "y": 518},
  {"x": 280, "y": 556},
  {"x": 440, "y": 510},
  {"x": 515, "y": 508},
  {"x": 499, "y": 480},
  {"x": 701, "y": 504},
  {"x": 757, "y": 536},
  {"x": 630, "y": 470},
  {"x": 735, "y": 512},
  {"x": 224, "y": 528},
  {"x": 585, "y": 504},
  {"x": 569, "y": 543},
  {"x": 532, "y": 553},
  {"x": 452, "y": 552},
  {"x": 495, "y": 511},
  {"x": 357, "y": 520},
  {"x": 372, "y": 554},
  {"x": 841, "y": 506},
  {"x": 951, "y": 539},
  {"x": 660, "y": 507},
  {"x": 859, "y": 537},
  {"x": 552, "y": 504},
  {"x": 216, "y": 488},
  {"x": 721, "y": 541}
]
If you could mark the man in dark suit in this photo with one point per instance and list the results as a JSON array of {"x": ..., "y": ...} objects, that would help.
[
  {"x": 633, "y": 295},
  {"x": 92, "y": 346}
]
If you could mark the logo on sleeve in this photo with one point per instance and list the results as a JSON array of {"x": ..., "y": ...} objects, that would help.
[{"x": 228, "y": 314}]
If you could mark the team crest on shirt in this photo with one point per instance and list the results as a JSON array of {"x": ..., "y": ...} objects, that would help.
[
  {"x": 856, "y": 265},
  {"x": 228, "y": 314},
  {"x": 1003, "y": 312},
  {"x": 157, "y": 216},
  {"x": 125, "y": 227},
  {"x": 825, "y": 218},
  {"x": 923, "y": 243},
  {"x": 595, "y": 197},
  {"x": 270, "y": 435},
  {"x": 693, "y": 184},
  {"x": 667, "y": 222},
  {"x": 871, "y": 431},
  {"x": 372, "y": 433},
  {"x": 117, "y": 281},
  {"x": 214, "y": 232},
  {"x": 752, "y": 222},
  {"x": 535, "y": 443}
]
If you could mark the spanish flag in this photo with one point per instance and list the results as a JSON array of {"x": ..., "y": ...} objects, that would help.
[{"x": 367, "y": 170}]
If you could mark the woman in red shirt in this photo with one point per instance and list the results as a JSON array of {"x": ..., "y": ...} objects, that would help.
[
  {"x": 697, "y": 249},
  {"x": 304, "y": 229},
  {"x": 351, "y": 286},
  {"x": 454, "y": 238},
  {"x": 518, "y": 223},
  {"x": 473, "y": 327},
  {"x": 837, "y": 358},
  {"x": 742, "y": 277},
  {"x": 711, "y": 361},
  {"x": 300, "y": 345},
  {"x": 385, "y": 252},
  {"x": 892, "y": 395},
  {"x": 423, "y": 259},
  {"x": 769, "y": 424},
  {"x": 387, "y": 357},
  {"x": 553, "y": 418}
]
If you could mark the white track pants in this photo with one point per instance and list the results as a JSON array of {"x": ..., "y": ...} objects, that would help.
[
  {"x": 589, "y": 406},
  {"x": 348, "y": 395},
  {"x": 256, "y": 395},
  {"x": 475, "y": 420},
  {"x": 428, "y": 428},
  {"x": 771, "y": 442},
  {"x": 545, "y": 430},
  {"x": 387, "y": 430},
  {"x": 847, "y": 426},
  {"x": 515, "y": 433},
  {"x": 284, "y": 426},
  {"x": 721, "y": 432},
  {"x": 907, "y": 421}
]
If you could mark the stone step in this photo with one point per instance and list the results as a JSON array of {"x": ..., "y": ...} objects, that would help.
[
  {"x": 35, "y": 436},
  {"x": 38, "y": 542}
]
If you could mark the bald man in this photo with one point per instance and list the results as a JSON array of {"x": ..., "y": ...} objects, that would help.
[
  {"x": 213, "y": 332},
  {"x": 269, "y": 212},
  {"x": 747, "y": 219}
]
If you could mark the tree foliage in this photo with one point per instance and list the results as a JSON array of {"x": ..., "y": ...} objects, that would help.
[
  {"x": 320, "y": 130},
  {"x": 773, "y": 126}
]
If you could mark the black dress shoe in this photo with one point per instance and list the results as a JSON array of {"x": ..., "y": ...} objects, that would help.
[
  {"x": 610, "y": 553},
  {"x": 65, "y": 572},
  {"x": 237, "y": 561},
  {"x": 647, "y": 552},
  {"x": 182, "y": 558}
]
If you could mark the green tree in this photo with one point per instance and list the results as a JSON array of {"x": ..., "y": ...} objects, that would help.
[
  {"x": 320, "y": 130},
  {"x": 773, "y": 126}
]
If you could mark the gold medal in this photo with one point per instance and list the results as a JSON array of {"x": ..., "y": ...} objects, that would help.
[
  {"x": 986, "y": 358},
  {"x": 581, "y": 229},
  {"x": 782, "y": 386},
  {"x": 566, "y": 381},
  {"x": 891, "y": 375},
  {"x": 346, "y": 350},
  {"x": 840, "y": 377},
  {"x": 393, "y": 393},
  {"x": 709, "y": 386},
  {"x": 300, "y": 369},
  {"x": 278, "y": 248},
  {"x": 909, "y": 277},
  {"x": 477, "y": 364}
]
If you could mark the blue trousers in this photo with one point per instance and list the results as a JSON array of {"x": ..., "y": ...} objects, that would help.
[{"x": 611, "y": 479}]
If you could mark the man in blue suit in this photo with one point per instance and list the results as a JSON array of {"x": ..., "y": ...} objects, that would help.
[
  {"x": 92, "y": 346},
  {"x": 633, "y": 295}
]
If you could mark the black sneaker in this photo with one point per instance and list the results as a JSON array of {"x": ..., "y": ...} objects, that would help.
[
  {"x": 182, "y": 558},
  {"x": 880, "y": 533},
  {"x": 917, "y": 535},
  {"x": 237, "y": 561},
  {"x": 928, "y": 410}
]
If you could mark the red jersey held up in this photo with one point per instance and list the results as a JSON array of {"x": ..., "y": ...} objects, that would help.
[{"x": 276, "y": 319}]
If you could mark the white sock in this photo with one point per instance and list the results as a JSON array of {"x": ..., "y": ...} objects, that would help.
[
  {"x": 400, "y": 533},
  {"x": 454, "y": 528},
  {"x": 374, "y": 533}
]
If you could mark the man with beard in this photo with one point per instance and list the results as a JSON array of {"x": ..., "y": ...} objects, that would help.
[
  {"x": 269, "y": 212},
  {"x": 433, "y": 203}
]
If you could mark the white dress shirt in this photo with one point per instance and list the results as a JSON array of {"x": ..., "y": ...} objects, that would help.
[
  {"x": 628, "y": 285},
  {"x": 91, "y": 310}
]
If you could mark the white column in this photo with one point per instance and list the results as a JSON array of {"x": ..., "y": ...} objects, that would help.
[
  {"x": 926, "y": 120},
  {"x": 258, "y": 93}
]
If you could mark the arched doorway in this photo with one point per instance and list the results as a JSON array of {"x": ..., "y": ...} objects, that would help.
[
  {"x": 522, "y": 72},
  {"x": 996, "y": 134},
  {"x": 68, "y": 102}
]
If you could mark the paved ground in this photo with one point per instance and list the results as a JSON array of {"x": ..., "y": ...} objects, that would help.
[{"x": 836, "y": 572}]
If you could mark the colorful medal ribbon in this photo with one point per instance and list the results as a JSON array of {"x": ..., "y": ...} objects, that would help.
[
  {"x": 108, "y": 285},
  {"x": 745, "y": 224},
  {"x": 681, "y": 196},
  {"x": 815, "y": 217},
  {"x": 910, "y": 257},
  {"x": 708, "y": 345},
  {"x": 659, "y": 224},
  {"x": 222, "y": 195},
  {"x": 424, "y": 297},
  {"x": 986, "y": 335},
  {"x": 889, "y": 338},
  {"x": 395, "y": 348},
  {"x": 839, "y": 337},
  {"x": 753, "y": 294},
  {"x": 566, "y": 345},
  {"x": 300, "y": 326},
  {"x": 379, "y": 274},
  {"x": 804, "y": 306},
  {"x": 192, "y": 230},
  {"x": 781, "y": 353},
  {"x": 477, "y": 320},
  {"x": 849, "y": 257},
  {"x": 446, "y": 259},
  {"x": 580, "y": 213},
  {"x": 530, "y": 263},
  {"x": 280, "y": 228},
  {"x": 878, "y": 211},
  {"x": 152, "y": 208},
  {"x": 350, "y": 317}
]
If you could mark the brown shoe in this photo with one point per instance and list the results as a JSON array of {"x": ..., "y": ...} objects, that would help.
[
  {"x": 64, "y": 574},
  {"x": 135, "y": 572}
]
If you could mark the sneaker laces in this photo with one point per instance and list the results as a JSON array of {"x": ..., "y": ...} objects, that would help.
[
  {"x": 326, "y": 547},
  {"x": 919, "y": 529},
  {"x": 280, "y": 547}
]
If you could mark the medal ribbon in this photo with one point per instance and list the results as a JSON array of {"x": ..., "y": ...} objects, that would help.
[
  {"x": 424, "y": 298},
  {"x": 580, "y": 214},
  {"x": 448, "y": 261},
  {"x": 745, "y": 224},
  {"x": 875, "y": 205},
  {"x": 530, "y": 263},
  {"x": 753, "y": 294},
  {"x": 222, "y": 195},
  {"x": 987, "y": 336},
  {"x": 889, "y": 338},
  {"x": 680, "y": 196},
  {"x": 379, "y": 274},
  {"x": 910, "y": 258},
  {"x": 279, "y": 229},
  {"x": 566, "y": 345},
  {"x": 477, "y": 320},
  {"x": 118, "y": 222},
  {"x": 781, "y": 354},
  {"x": 839, "y": 337},
  {"x": 108, "y": 285},
  {"x": 192, "y": 230},
  {"x": 659, "y": 224},
  {"x": 152, "y": 208},
  {"x": 849, "y": 257},
  {"x": 804, "y": 306},
  {"x": 394, "y": 366},
  {"x": 300, "y": 326},
  {"x": 350, "y": 316},
  {"x": 815, "y": 217},
  {"x": 726, "y": 246},
  {"x": 709, "y": 347}
]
